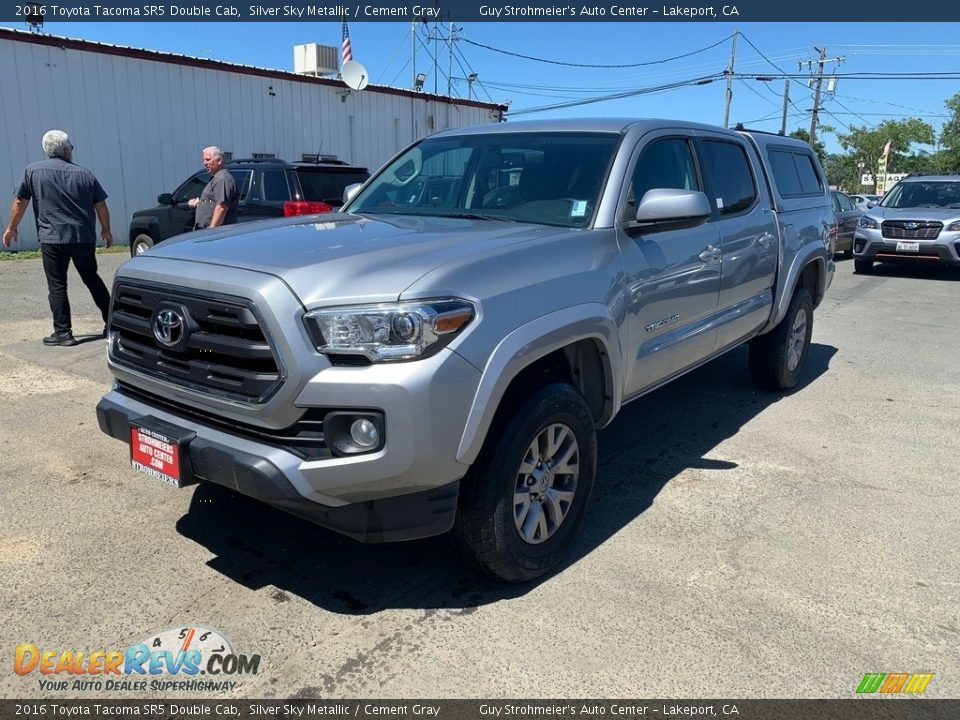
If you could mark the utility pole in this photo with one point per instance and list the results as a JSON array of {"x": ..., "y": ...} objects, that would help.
[
  {"x": 729, "y": 74},
  {"x": 413, "y": 52},
  {"x": 816, "y": 96},
  {"x": 786, "y": 101},
  {"x": 819, "y": 83},
  {"x": 450, "y": 62}
]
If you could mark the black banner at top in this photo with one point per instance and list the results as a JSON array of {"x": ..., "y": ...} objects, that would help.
[{"x": 739, "y": 11}]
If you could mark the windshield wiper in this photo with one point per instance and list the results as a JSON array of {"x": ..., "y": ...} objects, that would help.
[{"x": 476, "y": 216}]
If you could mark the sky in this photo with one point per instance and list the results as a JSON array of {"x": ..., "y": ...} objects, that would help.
[{"x": 528, "y": 84}]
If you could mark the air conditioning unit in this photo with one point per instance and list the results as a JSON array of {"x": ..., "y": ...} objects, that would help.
[{"x": 313, "y": 59}]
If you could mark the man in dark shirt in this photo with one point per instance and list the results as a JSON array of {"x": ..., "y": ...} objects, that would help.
[
  {"x": 219, "y": 202},
  {"x": 65, "y": 198}
]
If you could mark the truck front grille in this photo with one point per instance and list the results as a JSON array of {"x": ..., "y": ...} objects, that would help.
[
  {"x": 211, "y": 343},
  {"x": 911, "y": 230}
]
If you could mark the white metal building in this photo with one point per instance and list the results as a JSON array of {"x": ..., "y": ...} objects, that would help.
[{"x": 139, "y": 119}]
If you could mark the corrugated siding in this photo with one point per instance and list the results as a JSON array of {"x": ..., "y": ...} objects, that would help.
[{"x": 140, "y": 125}]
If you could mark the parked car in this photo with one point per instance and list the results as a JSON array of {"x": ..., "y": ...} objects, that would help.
[
  {"x": 440, "y": 355},
  {"x": 865, "y": 202},
  {"x": 846, "y": 214},
  {"x": 917, "y": 220},
  {"x": 267, "y": 188}
]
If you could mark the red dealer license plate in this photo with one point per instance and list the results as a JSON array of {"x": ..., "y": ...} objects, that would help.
[{"x": 156, "y": 454}]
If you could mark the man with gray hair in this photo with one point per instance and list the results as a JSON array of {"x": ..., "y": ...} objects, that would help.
[
  {"x": 65, "y": 199},
  {"x": 219, "y": 202}
]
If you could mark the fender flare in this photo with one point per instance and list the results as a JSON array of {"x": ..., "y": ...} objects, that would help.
[
  {"x": 811, "y": 253},
  {"x": 527, "y": 344}
]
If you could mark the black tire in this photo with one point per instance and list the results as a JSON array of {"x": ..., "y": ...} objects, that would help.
[
  {"x": 848, "y": 253},
  {"x": 141, "y": 243},
  {"x": 776, "y": 359},
  {"x": 863, "y": 267},
  {"x": 486, "y": 529}
]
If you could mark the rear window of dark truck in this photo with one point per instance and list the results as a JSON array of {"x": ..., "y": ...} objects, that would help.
[{"x": 327, "y": 185}]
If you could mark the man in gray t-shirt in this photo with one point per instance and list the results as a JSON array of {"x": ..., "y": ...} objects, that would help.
[
  {"x": 219, "y": 202},
  {"x": 65, "y": 198}
]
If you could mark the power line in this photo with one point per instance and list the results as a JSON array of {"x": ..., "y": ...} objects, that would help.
[
  {"x": 586, "y": 65},
  {"x": 617, "y": 96}
]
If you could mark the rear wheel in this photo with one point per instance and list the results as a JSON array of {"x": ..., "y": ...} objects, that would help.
[
  {"x": 862, "y": 267},
  {"x": 141, "y": 243},
  {"x": 778, "y": 358},
  {"x": 524, "y": 501}
]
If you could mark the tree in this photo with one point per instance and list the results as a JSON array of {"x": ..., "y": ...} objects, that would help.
[
  {"x": 949, "y": 155},
  {"x": 867, "y": 144},
  {"x": 842, "y": 172}
]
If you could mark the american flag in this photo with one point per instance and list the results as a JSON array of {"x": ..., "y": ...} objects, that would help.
[{"x": 346, "y": 52}]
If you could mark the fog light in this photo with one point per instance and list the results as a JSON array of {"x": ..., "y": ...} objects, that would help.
[
  {"x": 364, "y": 433},
  {"x": 351, "y": 432},
  {"x": 858, "y": 246}
]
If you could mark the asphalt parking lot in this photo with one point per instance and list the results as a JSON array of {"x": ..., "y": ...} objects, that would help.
[{"x": 740, "y": 544}]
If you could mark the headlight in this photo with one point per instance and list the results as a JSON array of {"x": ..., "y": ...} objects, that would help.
[
  {"x": 954, "y": 226},
  {"x": 394, "y": 331},
  {"x": 867, "y": 222}
]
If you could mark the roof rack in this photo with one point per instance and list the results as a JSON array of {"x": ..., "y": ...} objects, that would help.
[
  {"x": 258, "y": 160},
  {"x": 740, "y": 128},
  {"x": 316, "y": 158}
]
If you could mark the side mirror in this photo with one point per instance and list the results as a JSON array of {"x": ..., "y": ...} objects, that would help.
[
  {"x": 871, "y": 204},
  {"x": 350, "y": 191},
  {"x": 663, "y": 209},
  {"x": 165, "y": 199}
]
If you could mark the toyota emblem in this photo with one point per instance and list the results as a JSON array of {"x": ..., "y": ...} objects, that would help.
[{"x": 168, "y": 327}]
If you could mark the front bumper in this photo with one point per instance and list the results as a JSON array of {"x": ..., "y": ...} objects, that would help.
[
  {"x": 271, "y": 474},
  {"x": 869, "y": 244},
  {"x": 405, "y": 490}
]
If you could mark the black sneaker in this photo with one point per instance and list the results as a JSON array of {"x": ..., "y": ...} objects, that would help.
[{"x": 65, "y": 339}]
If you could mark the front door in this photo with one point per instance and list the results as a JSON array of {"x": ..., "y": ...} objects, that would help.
[{"x": 672, "y": 276}]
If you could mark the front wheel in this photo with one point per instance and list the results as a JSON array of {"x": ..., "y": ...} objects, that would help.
[
  {"x": 523, "y": 502},
  {"x": 141, "y": 243},
  {"x": 777, "y": 359},
  {"x": 862, "y": 267}
]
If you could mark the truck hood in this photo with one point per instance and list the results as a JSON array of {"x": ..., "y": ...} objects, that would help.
[{"x": 341, "y": 258}]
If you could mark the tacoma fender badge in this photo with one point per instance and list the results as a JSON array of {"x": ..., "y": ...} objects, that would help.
[{"x": 660, "y": 323}]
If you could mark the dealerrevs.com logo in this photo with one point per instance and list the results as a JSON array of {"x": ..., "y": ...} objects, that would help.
[{"x": 176, "y": 659}]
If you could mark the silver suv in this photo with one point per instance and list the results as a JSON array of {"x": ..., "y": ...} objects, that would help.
[
  {"x": 917, "y": 220},
  {"x": 440, "y": 355}
]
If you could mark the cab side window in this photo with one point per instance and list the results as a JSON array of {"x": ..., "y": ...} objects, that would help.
[
  {"x": 732, "y": 177},
  {"x": 666, "y": 163},
  {"x": 191, "y": 188}
]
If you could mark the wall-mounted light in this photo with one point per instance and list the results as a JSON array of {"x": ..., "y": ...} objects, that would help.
[{"x": 418, "y": 83}]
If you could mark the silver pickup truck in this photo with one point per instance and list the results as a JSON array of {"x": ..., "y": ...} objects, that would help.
[{"x": 439, "y": 355}]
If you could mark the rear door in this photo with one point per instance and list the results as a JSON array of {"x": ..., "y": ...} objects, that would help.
[
  {"x": 747, "y": 235},
  {"x": 847, "y": 216},
  {"x": 672, "y": 276}
]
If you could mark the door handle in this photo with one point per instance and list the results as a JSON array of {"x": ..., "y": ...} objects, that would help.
[
  {"x": 710, "y": 254},
  {"x": 764, "y": 240}
]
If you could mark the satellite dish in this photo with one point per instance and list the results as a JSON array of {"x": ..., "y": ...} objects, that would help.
[{"x": 354, "y": 75}]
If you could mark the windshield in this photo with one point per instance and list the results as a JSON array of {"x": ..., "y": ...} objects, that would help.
[
  {"x": 544, "y": 178},
  {"x": 933, "y": 193}
]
